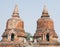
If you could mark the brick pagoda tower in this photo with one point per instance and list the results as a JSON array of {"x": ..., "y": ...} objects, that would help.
[
  {"x": 14, "y": 28},
  {"x": 45, "y": 32}
]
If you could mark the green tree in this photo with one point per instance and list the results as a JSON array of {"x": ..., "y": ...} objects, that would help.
[{"x": 28, "y": 35}]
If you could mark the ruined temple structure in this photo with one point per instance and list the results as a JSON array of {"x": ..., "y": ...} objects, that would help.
[
  {"x": 15, "y": 35},
  {"x": 14, "y": 31},
  {"x": 45, "y": 29},
  {"x": 14, "y": 28}
]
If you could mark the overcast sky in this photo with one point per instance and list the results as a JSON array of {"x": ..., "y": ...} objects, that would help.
[{"x": 30, "y": 11}]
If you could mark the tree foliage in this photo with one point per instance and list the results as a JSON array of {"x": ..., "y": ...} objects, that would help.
[{"x": 28, "y": 35}]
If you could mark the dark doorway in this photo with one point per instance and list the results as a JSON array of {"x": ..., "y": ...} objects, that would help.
[
  {"x": 47, "y": 37},
  {"x": 12, "y": 37}
]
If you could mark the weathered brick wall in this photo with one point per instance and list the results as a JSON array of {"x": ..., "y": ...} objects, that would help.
[
  {"x": 46, "y": 46},
  {"x": 10, "y": 44},
  {"x": 16, "y": 44},
  {"x": 49, "y": 45}
]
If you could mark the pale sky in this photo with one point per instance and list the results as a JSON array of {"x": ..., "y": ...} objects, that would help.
[{"x": 30, "y": 11}]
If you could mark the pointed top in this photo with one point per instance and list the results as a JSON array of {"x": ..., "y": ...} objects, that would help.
[
  {"x": 45, "y": 12},
  {"x": 16, "y": 11},
  {"x": 45, "y": 9}
]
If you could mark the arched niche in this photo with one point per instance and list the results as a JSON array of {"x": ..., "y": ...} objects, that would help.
[
  {"x": 47, "y": 36},
  {"x": 12, "y": 37}
]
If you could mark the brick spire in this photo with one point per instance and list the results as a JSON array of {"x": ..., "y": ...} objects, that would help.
[
  {"x": 16, "y": 11},
  {"x": 45, "y": 12}
]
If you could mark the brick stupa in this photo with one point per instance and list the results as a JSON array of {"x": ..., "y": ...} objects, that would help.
[{"x": 45, "y": 32}]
